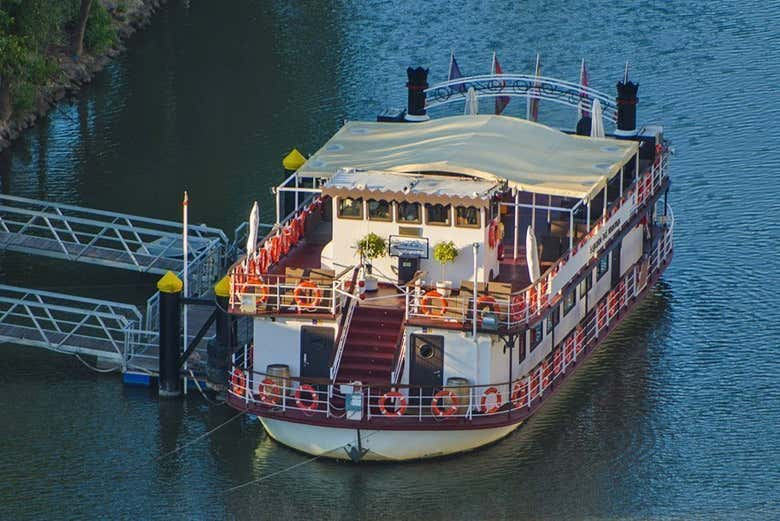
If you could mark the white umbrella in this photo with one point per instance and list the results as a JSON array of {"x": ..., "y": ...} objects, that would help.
[
  {"x": 472, "y": 105},
  {"x": 596, "y": 120},
  {"x": 254, "y": 225},
  {"x": 532, "y": 255}
]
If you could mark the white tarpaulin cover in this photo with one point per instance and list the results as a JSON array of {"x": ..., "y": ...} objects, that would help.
[
  {"x": 529, "y": 156},
  {"x": 532, "y": 255}
]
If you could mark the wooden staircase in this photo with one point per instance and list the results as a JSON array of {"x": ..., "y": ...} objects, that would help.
[{"x": 369, "y": 351}]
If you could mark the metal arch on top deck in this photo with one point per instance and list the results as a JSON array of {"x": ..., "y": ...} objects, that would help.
[
  {"x": 110, "y": 239},
  {"x": 519, "y": 85}
]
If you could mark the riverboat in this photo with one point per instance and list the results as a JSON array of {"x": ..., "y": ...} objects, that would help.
[{"x": 366, "y": 347}]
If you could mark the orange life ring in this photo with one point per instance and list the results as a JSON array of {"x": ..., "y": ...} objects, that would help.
[
  {"x": 313, "y": 398},
  {"x": 491, "y": 391},
  {"x": 427, "y": 308},
  {"x": 397, "y": 396},
  {"x": 270, "y": 397},
  {"x": 517, "y": 308},
  {"x": 274, "y": 248},
  {"x": 492, "y": 234},
  {"x": 519, "y": 393},
  {"x": 307, "y": 295},
  {"x": 286, "y": 240},
  {"x": 238, "y": 382},
  {"x": 262, "y": 260},
  {"x": 449, "y": 411}
]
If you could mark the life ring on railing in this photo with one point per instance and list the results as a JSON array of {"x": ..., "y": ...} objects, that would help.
[
  {"x": 449, "y": 411},
  {"x": 428, "y": 309},
  {"x": 270, "y": 397},
  {"x": 238, "y": 382},
  {"x": 659, "y": 150},
  {"x": 519, "y": 393},
  {"x": 491, "y": 391},
  {"x": 307, "y": 295},
  {"x": 400, "y": 410},
  {"x": 313, "y": 398},
  {"x": 517, "y": 308},
  {"x": 262, "y": 260},
  {"x": 285, "y": 240},
  {"x": 492, "y": 234},
  {"x": 274, "y": 249}
]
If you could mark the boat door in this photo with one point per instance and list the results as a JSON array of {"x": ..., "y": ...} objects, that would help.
[
  {"x": 616, "y": 265},
  {"x": 316, "y": 351},
  {"x": 426, "y": 365}
]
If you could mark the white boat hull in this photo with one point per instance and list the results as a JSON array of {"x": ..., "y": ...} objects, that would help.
[{"x": 380, "y": 445}]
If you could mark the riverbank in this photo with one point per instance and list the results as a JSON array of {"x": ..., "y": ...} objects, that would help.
[{"x": 71, "y": 74}]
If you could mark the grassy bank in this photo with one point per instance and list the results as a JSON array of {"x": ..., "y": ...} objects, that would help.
[{"x": 49, "y": 48}]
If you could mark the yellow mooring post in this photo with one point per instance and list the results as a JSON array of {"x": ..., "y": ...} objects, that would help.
[
  {"x": 169, "y": 381},
  {"x": 285, "y": 205}
]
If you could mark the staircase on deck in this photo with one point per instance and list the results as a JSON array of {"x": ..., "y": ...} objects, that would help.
[{"x": 372, "y": 339}]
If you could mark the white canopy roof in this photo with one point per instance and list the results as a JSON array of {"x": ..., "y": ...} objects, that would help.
[{"x": 528, "y": 155}]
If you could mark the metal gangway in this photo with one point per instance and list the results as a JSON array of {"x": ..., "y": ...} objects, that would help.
[
  {"x": 112, "y": 239},
  {"x": 109, "y": 331}
]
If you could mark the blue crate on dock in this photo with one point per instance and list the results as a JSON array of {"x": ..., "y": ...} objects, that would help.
[{"x": 139, "y": 379}]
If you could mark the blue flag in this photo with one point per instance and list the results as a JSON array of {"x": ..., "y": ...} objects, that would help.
[{"x": 454, "y": 74}]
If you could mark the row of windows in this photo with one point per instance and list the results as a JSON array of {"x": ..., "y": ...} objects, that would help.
[
  {"x": 409, "y": 213},
  {"x": 569, "y": 301}
]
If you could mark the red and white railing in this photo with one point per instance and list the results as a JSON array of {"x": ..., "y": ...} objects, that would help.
[{"x": 387, "y": 403}]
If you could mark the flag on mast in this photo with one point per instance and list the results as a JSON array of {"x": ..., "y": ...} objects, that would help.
[
  {"x": 532, "y": 112},
  {"x": 501, "y": 101},
  {"x": 582, "y": 108},
  {"x": 454, "y": 74}
]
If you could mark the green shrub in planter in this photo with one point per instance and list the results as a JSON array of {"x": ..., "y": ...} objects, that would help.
[{"x": 445, "y": 253}]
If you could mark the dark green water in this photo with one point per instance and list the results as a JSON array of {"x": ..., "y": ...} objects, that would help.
[{"x": 676, "y": 418}]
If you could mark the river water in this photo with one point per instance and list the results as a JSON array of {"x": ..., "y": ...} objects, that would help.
[{"x": 675, "y": 418}]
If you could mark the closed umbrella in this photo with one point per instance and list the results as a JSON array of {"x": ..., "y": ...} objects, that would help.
[
  {"x": 532, "y": 255},
  {"x": 254, "y": 225},
  {"x": 597, "y": 121},
  {"x": 472, "y": 105}
]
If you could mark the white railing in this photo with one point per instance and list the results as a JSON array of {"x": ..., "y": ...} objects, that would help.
[
  {"x": 519, "y": 85},
  {"x": 395, "y": 377},
  {"x": 388, "y": 403},
  {"x": 344, "y": 333}
]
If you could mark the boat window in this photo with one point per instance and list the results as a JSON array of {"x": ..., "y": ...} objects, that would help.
[
  {"x": 438, "y": 214},
  {"x": 537, "y": 334},
  {"x": 603, "y": 266},
  {"x": 350, "y": 208},
  {"x": 379, "y": 210},
  {"x": 586, "y": 284},
  {"x": 553, "y": 318},
  {"x": 568, "y": 301},
  {"x": 409, "y": 212},
  {"x": 467, "y": 216}
]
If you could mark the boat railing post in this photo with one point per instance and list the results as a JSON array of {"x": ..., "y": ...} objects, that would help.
[
  {"x": 419, "y": 404},
  {"x": 327, "y": 400},
  {"x": 246, "y": 378},
  {"x": 406, "y": 303},
  {"x": 368, "y": 403}
]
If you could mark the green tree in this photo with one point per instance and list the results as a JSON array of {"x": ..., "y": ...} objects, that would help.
[{"x": 81, "y": 27}]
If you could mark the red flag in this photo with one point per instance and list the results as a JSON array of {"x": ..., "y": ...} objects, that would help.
[{"x": 501, "y": 101}]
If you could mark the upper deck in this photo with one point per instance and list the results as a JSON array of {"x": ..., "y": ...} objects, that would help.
[{"x": 413, "y": 211}]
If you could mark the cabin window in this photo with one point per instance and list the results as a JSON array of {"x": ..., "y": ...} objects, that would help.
[
  {"x": 379, "y": 210},
  {"x": 438, "y": 214},
  {"x": 586, "y": 284},
  {"x": 553, "y": 318},
  {"x": 568, "y": 301},
  {"x": 537, "y": 334},
  {"x": 409, "y": 213},
  {"x": 603, "y": 266},
  {"x": 350, "y": 208},
  {"x": 467, "y": 216}
]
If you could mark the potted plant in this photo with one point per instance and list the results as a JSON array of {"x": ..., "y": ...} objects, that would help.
[
  {"x": 445, "y": 253},
  {"x": 370, "y": 247}
]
